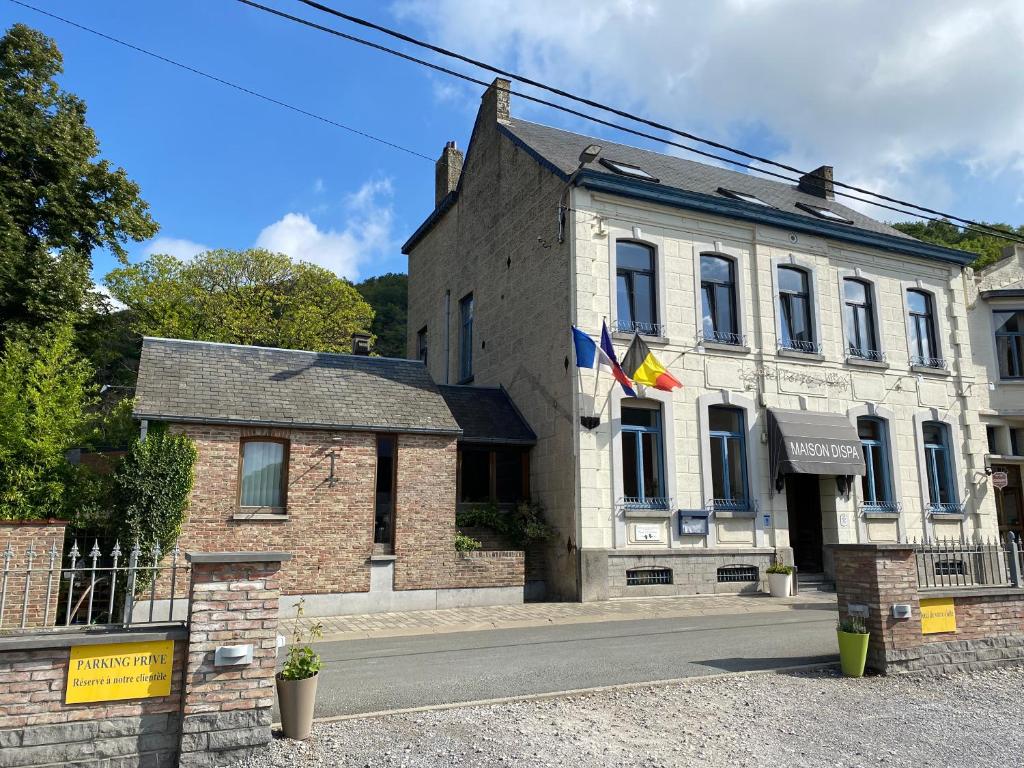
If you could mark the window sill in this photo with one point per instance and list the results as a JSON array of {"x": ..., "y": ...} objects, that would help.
[
  {"x": 1010, "y": 383},
  {"x": 796, "y": 354},
  {"x": 860, "y": 362},
  {"x": 928, "y": 371},
  {"x": 717, "y": 346},
  {"x": 879, "y": 514},
  {"x": 383, "y": 558},
  {"x": 736, "y": 514},
  {"x": 640, "y": 512},
  {"x": 624, "y": 337},
  {"x": 467, "y": 380},
  {"x": 277, "y": 517}
]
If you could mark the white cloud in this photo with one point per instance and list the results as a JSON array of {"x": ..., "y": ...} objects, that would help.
[
  {"x": 174, "y": 246},
  {"x": 367, "y": 232},
  {"x": 905, "y": 97}
]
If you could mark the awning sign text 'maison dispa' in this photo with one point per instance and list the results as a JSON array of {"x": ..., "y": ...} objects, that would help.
[{"x": 817, "y": 449}]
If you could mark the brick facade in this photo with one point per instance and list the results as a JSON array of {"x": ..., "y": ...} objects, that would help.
[
  {"x": 42, "y": 536},
  {"x": 990, "y": 621},
  {"x": 329, "y": 528}
]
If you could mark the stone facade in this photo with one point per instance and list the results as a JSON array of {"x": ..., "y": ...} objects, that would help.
[
  {"x": 46, "y": 538},
  {"x": 329, "y": 527},
  {"x": 990, "y": 620},
  {"x": 498, "y": 240}
]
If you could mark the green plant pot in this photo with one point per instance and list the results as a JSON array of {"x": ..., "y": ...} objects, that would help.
[{"x": 853, "y": 652}]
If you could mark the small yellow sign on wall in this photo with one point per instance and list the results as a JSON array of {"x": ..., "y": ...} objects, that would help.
[
  {"x": 938, "y": 614},
  {"x": 119, "y": 671}
]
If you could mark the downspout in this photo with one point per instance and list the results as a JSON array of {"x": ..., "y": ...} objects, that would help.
[
  {"x": 577, "y": 501},
  {"x": 447, "y": 333}
]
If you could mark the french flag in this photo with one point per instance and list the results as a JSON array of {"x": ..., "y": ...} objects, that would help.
[{"x": 590, "y": 355}]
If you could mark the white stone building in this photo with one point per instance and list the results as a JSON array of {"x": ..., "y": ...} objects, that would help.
[
  {"x": 793, "y": 322},
  {"x": 997, "y": 338}
]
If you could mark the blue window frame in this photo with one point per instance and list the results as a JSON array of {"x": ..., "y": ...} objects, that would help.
[
  {"x": 643, "y": 458},
  {"x": 942, "y": 495},
  {"x": 877, "y": 482},
  {"x": 1010, "y": 343},
  {"x": 636, "y": 289},
  {"x": 466, "y": 339},
  {"x": 727, "y": 430},
  {"x": 718, "y": 298}
]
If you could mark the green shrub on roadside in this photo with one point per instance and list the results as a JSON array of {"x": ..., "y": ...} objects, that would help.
[
  {"x": 521, "y": 525},
  {"x": 465, "y": 543}
]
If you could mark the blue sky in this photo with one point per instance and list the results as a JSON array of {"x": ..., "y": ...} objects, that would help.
[{"x": 916, "y": 101}]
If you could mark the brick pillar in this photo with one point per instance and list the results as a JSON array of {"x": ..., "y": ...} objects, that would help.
[
  {"x": 42, "y": 536},
  {"x": 879, "y": 576},
  {"x": 226, "y": 710}
]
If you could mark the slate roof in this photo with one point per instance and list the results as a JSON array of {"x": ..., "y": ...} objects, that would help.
[
  {"x": 487, "y": 415},
  {"x": 204, "y": 382},
  {"x": 562, "y": 148}
]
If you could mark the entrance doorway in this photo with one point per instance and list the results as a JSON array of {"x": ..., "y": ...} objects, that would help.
[
  {"x": 803, "y": 501},
  {"x": 1010, "y": 502}
]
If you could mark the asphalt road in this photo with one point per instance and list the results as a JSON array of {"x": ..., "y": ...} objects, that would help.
[{"x": 389, "y": 673}]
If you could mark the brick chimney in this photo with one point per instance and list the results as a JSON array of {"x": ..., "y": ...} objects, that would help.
[
  {"x": 818, "y": 183},
  {"x": 361, "y": 344},
  {"x": 495, "y": 101},
  {"x": 446, "y": 172}
]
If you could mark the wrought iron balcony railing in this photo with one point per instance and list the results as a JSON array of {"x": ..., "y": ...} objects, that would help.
[
  {"x": 634, "y": 326},
  {"x": 946, "y": 507},
  {"x": 645, "y": 502},
  {"x": 722, "y": 337},
  {"x": 731, "y": 505},
  {"x": 797, "y": 345},
  {"x": 938, "y": 363},
  {"x": 871, "y": 355},
  {"x": 890, "y": 507}
]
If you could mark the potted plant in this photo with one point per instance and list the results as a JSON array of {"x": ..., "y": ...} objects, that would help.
[
  {"x": 853, "y": 646},
  {"x": 296, "y": 682},
  {"x": 780, "y": 579}
]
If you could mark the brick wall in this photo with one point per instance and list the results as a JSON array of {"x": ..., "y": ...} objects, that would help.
[
  {"x": 329, "y": 529},
  {"x": 497, "y": 568},
  {"x": 19, "y": 536},
  {"x": 990, "y": 621},
  {"x": 37, "y": 728}
]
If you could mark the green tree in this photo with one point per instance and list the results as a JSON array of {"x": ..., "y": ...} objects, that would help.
[
  {"x": 388, "y": 295},
  {"x": 58, "y": 201},
  {"x": 988, "y": 247},
  {"x": 242, "y": 297},
  {"x": 45, "y": 410}
]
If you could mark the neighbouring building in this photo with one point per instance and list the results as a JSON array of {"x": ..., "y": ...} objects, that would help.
[
  {"x": 829, "y": 393},
  {"x": 997, "y": 337},
  {"x": 348, "y": 462}
]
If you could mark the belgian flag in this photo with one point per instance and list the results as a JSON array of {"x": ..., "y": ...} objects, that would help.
[{"x": 643, "y": 367}]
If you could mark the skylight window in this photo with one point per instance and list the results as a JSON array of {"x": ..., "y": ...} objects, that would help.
[
  {"x": 625, "y": 169},
  {"x": 824, "y": 213},
  {"x": 744, "y": 196}
]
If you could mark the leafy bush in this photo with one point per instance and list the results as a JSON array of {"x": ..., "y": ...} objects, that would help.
[
  {"x": 853, "y": 625},
  {"x": 302, "y": 661},
  {"x": 151, "y": 488},
  {"x": 465, "y": 543},
  {"x": 520, "y": 526},
  {"x": 779, "y": 568}
]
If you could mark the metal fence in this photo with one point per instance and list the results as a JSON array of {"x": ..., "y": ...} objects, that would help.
[
  {"x": 948, "y": 563},
  {"x": 45, "y": 588}
]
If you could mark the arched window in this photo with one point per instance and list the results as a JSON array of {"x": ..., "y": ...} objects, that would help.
[
  {"x": 726, "y": 429},
  {"x": 859, "y": 317},
  {"x": 796, "y": 312},
  {"x": 876, "y": 484},
  {"x": 636, "y": 289},
  {"x": 939, "y": 467},
  {"x": 718, "y": 296},
  {"x": 643, "y": 458},
  {"x": 924, "y": 348}
]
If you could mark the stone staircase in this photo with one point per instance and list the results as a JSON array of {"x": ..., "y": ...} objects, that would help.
[{"x": 808, "y": 582}]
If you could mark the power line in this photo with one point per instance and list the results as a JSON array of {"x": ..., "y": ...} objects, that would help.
[
  {"x": 228, "y": 83},
  {"x": 637, "y": 118}
]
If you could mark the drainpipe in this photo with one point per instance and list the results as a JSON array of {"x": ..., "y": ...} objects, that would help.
[{"x": 447, "y": 333}]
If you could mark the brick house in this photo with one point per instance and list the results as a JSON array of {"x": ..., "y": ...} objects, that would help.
[
  {"x": 798, "y": 326},
  {"x": 348, "y": 462}
]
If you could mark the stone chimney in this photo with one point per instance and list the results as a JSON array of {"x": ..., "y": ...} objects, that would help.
[
  {"x": 446, "y": 172},
  {"x": 818, "y": 183},
  {"x": 495, "y": 101},
  {"x": 361, "y": 344}
]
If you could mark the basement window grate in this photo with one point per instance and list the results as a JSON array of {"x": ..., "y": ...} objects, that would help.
[
  {"x": 950, "y": 568},
  {"x": 733, "y": 573},
  {"x": 638, "y": 577}
]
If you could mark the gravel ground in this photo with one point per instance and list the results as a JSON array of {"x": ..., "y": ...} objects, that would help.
[{"x": 789, "y": 719}]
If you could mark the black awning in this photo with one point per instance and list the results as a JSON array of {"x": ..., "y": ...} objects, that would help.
[{"x": 812, "y": 443}]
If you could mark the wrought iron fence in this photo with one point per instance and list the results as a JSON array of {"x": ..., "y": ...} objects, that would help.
[
  {"x": 861, "y": 353},
  {"x": 948, "y": 563},
  {"x": 923, "y": 361},
  {"x": 636, "y": 326},
  {"x": 94, "y": 588},
  {"x": 721, "y": 337}
]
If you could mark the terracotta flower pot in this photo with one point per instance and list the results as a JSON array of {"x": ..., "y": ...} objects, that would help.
[
  {"x": 780, "y": 584},
  {"x": 296, "y": 699}
]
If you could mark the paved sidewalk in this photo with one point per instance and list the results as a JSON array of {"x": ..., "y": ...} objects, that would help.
[{"x": 407, "y": 623}]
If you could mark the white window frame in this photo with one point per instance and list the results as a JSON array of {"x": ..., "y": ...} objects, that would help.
[
  {"x": 739, "y": 257},
  {"x": 792, "y": 260},
  {"x": 876, "y": 312}
]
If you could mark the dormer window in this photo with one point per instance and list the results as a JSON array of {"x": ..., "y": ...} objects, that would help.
[
  {"x": 824, "y": 213},
  {"x": 625, "y": 169},
  {"x": 743, "y": 196}
]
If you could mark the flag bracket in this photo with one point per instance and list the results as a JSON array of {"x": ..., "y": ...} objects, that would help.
[{"x": 590, "y": 422}]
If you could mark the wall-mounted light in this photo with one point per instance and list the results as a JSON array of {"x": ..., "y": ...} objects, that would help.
[{"x": 588, "y": 155}]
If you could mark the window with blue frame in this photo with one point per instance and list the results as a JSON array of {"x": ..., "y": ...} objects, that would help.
[
  {"x": 718, "y": 298},
  {"x": 877, "y": 482},
  {"x": 1010, "y": 343},
  {"x": 643, "y": 458},
  {"x": 466, "y": 338},
  {"x": 942, "y": 495},
  {"x": 635, "y": 287},
  {"x": 727, "y": 430}
]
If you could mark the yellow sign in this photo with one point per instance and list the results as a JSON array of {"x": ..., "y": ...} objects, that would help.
[
  {"x": 938, "y": 614},
  {"x": 119, "y": 671}
]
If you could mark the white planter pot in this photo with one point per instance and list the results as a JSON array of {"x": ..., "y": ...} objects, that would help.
[{"x": 780, "y": 584}]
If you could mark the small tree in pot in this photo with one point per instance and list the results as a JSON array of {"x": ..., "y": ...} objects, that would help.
[
  {"x": 780, "y": 579},
  {"x": 296, "y": 682}
]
